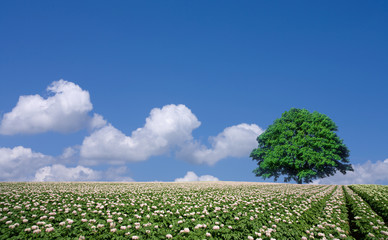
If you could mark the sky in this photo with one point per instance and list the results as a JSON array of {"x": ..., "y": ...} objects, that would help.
[{"x": 180, "y": 90}]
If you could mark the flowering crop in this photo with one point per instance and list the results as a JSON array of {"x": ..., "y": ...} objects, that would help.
[
  {"x": 367, "y": 224},
  {"x": 331, "y": 221},
  {"x": 216, "y": 210},
  {"x": 376, "y": 196}
]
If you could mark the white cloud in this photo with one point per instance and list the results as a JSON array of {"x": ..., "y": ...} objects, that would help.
[
  {"x": 65, "y": 111},
  {"x": 192, "y": 177},
  {"x": 367, "y": 173},
  {"x": 168, "y": 128},
  {"x": 234, "y": 141},
  {"x": 119, "y": 174},
  {"x": 19, "y": 163},
  {"x": 58, "y": 172},
  {"x": 69, "y": 156},
  {"x": 69, "y": 152},
  {"x": 164, "y": 128},
  {"x": 97, "y": 122}
]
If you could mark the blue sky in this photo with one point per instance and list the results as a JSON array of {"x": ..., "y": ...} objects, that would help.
[{"x": 208, "y": 75}]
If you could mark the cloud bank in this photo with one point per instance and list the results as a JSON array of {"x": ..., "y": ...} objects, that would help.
[
  {"x": 164, "y": 128},
  {"x": 68, "y": 109},
  {"x": 235, "y": 141},
  {"x": 367, "y": 173},
  {"x": 58, "y": 172},
  {"x": 19, "y": 163},
  {"x": 192, "y": 177},
  {"x": 65, "y": 111}
]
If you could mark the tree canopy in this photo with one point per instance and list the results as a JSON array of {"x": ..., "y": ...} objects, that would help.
[{"x": 301, "y": 146}]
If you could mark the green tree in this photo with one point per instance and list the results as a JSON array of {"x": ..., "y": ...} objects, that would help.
[{"x": 301, "y": 146}]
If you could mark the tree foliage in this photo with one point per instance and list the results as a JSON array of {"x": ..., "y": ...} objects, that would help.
[{"x": 302, "y": 146}]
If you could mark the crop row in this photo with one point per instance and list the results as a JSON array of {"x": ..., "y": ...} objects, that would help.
[
  {"x": 376, "y": 196},
  {"x": 366, "y": 224},
  {"x": 331, "y": 220}
]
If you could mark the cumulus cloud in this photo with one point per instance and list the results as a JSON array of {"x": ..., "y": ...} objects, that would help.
[
  {"x": 164, "y": 128},
  {"x": 367, "y": 173},
  {"x": 69, "y": 152},
  {"x": 167, "y": 128},
  {"x": 119, "y": 174},
  {"x": 192, "y": 177},
  {"x": 97, "y": 122},
  {"x": 234, "y": 141},
  {"x": 65, "y": 111},
  {"x": 58, "y": 172},
  {"x": 19, "y": 163},
  {"x": 68, "y": 107}
]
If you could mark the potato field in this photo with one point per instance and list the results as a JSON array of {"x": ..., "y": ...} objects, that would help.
[{"x": 200, "y": 210}]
